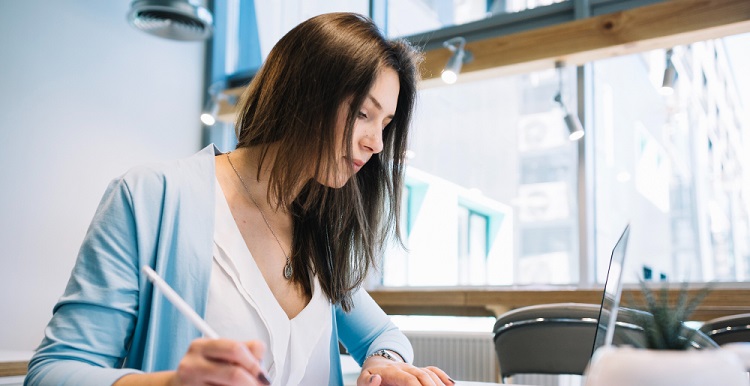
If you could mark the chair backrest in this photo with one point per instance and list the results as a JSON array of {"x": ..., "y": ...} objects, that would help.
[
  {"x": 556, "y": 338},
  {"x": 728, "y": 329}
]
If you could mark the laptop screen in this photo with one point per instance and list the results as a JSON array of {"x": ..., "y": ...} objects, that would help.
[{"x": 611, "y": 297}]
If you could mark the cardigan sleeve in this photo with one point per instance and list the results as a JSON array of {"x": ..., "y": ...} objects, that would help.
[
  {"x": 87, "y": 338},
  {"x": 366, "y": 329}
]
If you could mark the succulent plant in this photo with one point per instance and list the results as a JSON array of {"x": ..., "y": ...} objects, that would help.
[{"x": 665, "y": 328}]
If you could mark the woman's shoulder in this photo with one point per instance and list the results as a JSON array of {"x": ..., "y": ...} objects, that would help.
[{"x": 196, "y": 167}]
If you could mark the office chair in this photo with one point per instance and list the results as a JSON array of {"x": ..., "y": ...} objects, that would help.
[
  {"x": 728, "y": 329},
  {"x": 556, "y": 338}
]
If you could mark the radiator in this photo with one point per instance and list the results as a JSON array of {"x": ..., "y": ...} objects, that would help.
[
  {"x": 466, "y": 356},
  {"x": 547, "y": 379},
  {"x": 470, "y": 356}
]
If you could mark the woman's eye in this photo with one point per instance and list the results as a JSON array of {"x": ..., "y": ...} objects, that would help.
[{"x": 362, "y": 114}]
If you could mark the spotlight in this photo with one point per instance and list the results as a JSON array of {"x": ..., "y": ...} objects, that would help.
[
  {"x": 208, "y": 116},
  {"x": 456, "y": 61},
  {"x": 575, "y": 129},
  {"x": 211, "y": 110},
  {"x": 670, "y": 76}
]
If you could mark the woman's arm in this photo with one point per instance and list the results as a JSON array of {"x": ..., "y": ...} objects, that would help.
[
  {"x": 209, "y": 362},
  {"x": 366, "y": 329},
  {"x": 86, "y": 340},
  {"x": 95, "y": 324}
]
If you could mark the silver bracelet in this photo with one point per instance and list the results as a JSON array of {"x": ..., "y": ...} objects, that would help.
[{"x": 385, "y": 354}]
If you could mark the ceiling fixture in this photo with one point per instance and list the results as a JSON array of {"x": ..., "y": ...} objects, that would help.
[
  {"x": 211, "y": 111},
  {"x": 457, "y": 60},
  {"x": 575, "y": 128},
  {"x": 670, "y": 75},
  {"x": 172, "y": 19}
]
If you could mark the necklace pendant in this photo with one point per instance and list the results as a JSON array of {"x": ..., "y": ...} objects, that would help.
[{"x": 288, "y": 271}]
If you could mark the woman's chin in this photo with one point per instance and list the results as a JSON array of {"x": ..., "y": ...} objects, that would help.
[{"x": 334, "y": 183}]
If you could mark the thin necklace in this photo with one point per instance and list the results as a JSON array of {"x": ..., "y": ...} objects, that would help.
[{"x": 288, "y": 265}]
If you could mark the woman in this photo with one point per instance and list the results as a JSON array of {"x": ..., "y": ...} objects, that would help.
[{"x": 269, "y": 243}]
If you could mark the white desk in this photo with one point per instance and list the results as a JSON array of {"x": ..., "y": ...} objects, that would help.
[{"x": 351, "y": 369}]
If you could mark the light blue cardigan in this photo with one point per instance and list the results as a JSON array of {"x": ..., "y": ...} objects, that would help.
[{"x": 111, "y": 322}]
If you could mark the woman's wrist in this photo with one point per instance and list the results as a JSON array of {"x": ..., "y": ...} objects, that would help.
[
  {"x": 162, "y": 378},
  {"x": 387, "y": 354}
]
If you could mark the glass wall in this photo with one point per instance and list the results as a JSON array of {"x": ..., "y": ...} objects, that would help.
[
  {"x": 493, "y": 177},
  {"x": 492, "y": 186},
  {"x": 672, "y": 164},
  {"x": 276, "y": 18},
  {"x": 410, "y": 17}
]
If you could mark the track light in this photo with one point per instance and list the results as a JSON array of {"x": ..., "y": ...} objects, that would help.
[
  {"x": 670, "y": 76},
  {"x": 211, "y": 110},
  {"x": 457, "y": 60},
  {"x": 575, "y": 129},
  {"x": 208, "y": 116},
  {"x": 574, "y": 126}
]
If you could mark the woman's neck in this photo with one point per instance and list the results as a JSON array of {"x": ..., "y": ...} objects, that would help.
[{"x": 247, "y": 161}]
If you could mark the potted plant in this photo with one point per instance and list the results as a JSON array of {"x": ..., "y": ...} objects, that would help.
[{"x": 670, "y": 356}]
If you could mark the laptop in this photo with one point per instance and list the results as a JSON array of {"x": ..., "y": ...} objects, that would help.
[
  {"x": 561, "y": 328},
  {"x": 605, "y": 330}
]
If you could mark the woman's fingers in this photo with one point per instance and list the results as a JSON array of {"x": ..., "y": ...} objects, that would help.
[
  {"x": 425, "y": 377},
  {"x": 225, "y": 373},
  {"x": 404, "y": 374},
  {"x": 256, "y": 347},
  {"x": 240, "y": 354},
  {"x": 442, "y": 375},
  {"x": 222, "y": 362}
]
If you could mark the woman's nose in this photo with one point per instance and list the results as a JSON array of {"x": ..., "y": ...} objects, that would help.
[{"x": 372, "y": 141}]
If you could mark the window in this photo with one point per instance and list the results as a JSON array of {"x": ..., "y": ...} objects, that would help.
[
  {"x": 276, "y": 18},
  {"x": 492, "y": 160},
  {"x": 410, "y": 17},
  {"x": 672, "y": 166},
  {"x": 669, "y": 165},
  {"x": 493, "y": 154},
  {"x": 473, "y": 235}
]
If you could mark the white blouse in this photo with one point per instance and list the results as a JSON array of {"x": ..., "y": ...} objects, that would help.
[{"x": 241, "y": 306}]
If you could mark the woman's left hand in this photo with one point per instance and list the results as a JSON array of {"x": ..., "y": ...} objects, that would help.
[{"x": 381, "y": 371}]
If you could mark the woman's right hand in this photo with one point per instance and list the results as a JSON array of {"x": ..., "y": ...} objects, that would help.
[
  {"x": 211, "y": 362},
  {"x": 221, "y": 362}
]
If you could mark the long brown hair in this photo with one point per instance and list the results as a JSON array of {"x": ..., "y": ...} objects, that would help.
[{"x": 293, "y": 101}]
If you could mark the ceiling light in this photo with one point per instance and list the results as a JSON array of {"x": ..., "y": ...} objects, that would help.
[
  {"x": 670, "y": 76},
  {"x": 456, "y": 61},
  {"x": 211, "y": 110},
  {"x": 575, "y": 129},
  {"x": 172, "y": 19},
  {"x": 208, "y": 116},
  {"x": 574, "y": 126}
]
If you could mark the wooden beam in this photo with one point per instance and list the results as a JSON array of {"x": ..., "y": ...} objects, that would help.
[
  {"x": 13, "y": 368},
  {"x": 660, "y": 25},
  {"x": 493, "y": 301}
]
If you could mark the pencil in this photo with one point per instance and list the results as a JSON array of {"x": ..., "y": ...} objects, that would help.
[{"x": 180, "y": 304}]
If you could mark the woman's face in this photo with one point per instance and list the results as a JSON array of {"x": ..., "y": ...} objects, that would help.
[{"x": 367, "y": 136}]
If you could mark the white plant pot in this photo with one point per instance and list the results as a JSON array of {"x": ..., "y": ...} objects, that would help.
[{"x": 627, "y": 366}]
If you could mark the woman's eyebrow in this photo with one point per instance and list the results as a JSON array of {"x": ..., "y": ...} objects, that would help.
[{"x": 377, "y": 104}]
